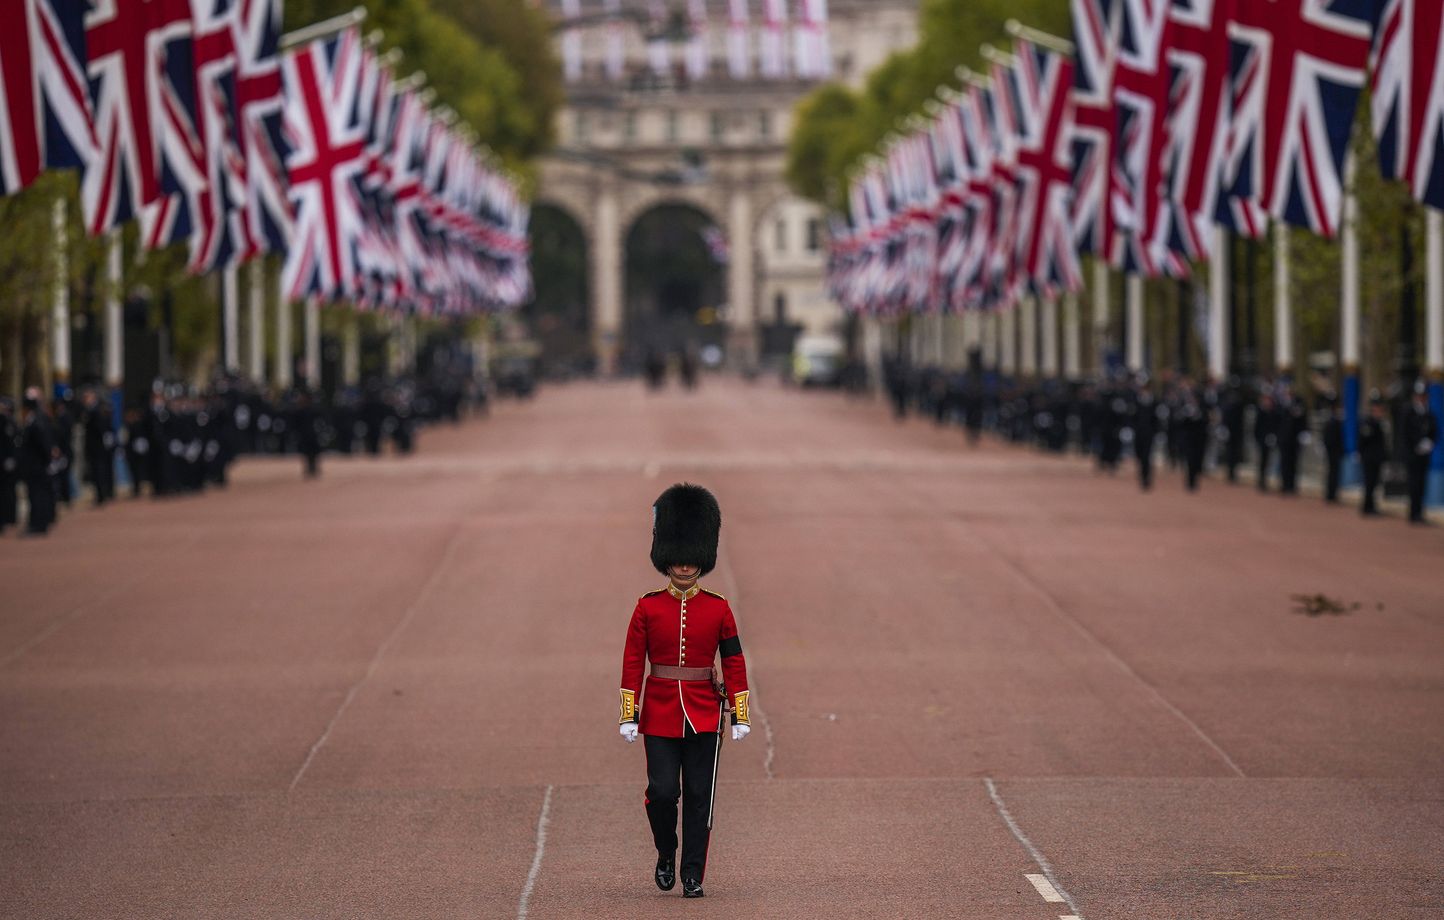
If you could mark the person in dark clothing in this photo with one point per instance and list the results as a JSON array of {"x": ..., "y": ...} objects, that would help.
[
  {"x": 62, "y": 433},
  {"x": 1235, "y": 411},
  {"x": 1333, "y": 438},
  {"x": 374, "y": 415},
  {"x": 305, "y": 421},
  {"x": 1421, "y": 433},
  {"x": 1293, "y": 435},
  {"x": 1193, "y": 436},
  {"x": 1373, "y": 450},
  {"x": 9, "y": 464},
  {"x": 99, "y": 446},
  {"x": 1265, "y": 437},
  {"x": 156, "y": 425},
  {"x": 37, "y": 463},
  {"x": 654, "y": 365},
  {"x": 1145, "y": 432}
]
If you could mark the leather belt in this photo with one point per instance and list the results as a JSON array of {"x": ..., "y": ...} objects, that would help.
[{"x": 667, "y": 672}]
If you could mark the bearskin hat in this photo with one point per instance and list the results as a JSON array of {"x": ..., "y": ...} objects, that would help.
[{"x": 686, "y": 522}]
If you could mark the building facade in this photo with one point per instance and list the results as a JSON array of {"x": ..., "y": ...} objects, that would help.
[{"x": 640, "y": 131}]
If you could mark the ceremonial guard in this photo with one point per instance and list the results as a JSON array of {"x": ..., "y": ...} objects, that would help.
[{"x": 680, "y": 712}]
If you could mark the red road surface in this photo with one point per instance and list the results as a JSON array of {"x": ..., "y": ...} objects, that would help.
[{"x": 392, "y": 693}]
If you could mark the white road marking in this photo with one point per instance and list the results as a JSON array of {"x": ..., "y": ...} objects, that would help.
[
  {"x": 1045, "y": 888},
  {"x": 1032, "y": 850},
  {"x": 380, "y": 653},
  {"x": 541, "y": 844},
  {"x": 1070, "y": 917}
]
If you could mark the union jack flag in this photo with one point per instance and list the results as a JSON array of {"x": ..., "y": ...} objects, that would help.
[
  {"x": 978, "y": 201},
  {"x": 1045, "y": 251},
  {"x": 199, "y": 139},
  {"x": 44, "y": 99},
  {"x": 139, "y": 62},
  {"x": 1197, "y": 121},
  {"x": 1001, "y": 112},
  {"x": 327, "y": 158},
  {"x": 1140, "y": 98},
  {"x": 1095, "y": 42},
  {"x": 1296, "y": 75},
  {"x": 1408, "y": 96},
  {"x": 261, "y": 145}
]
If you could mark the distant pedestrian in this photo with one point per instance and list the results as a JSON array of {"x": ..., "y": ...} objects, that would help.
[
  {"x": 9, "y": 464},
  {"x": 1421, "y": 433},
  {"x": 39, "y": 457},
  {"x": 1235, "y": 411},
  {"x": 99, "y": 446},
  {"x": 1265, "y": 437},
  {"x": 1193, "y": 434},
  {"x": 1293, "y": 436},
  {"x": 1333, "y": 441},
  {"x": 1145, "y": 431},
  {"x": 1373, "y": 449}
]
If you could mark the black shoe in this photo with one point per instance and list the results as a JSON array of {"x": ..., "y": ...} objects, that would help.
[
  {"x": 666, "y": 873},
  {"x": 691, "y": 888}
]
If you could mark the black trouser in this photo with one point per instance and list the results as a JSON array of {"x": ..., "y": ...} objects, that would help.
[
  {"x": 41, "y": 492},
  {"x": 1145, "y": 469},
  {"x": 1264, "y": 455},
  {"x": 693, "y": 757},
  {"x": 1331, "y": 478},
  {"x": 101, "y": 466},
  {"x": 1418, "y": 480},
  {"x": 1289, "y": 471},
  {"x": 1194, "y": 467},
  {"x": 1372, "y": 469}
]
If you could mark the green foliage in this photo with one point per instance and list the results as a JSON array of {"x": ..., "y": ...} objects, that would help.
[
  {"x": 489, "y": 60},
  {"x": 951, "y": 32}
]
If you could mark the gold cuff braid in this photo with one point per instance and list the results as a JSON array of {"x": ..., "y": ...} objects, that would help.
[
  {"x": 741, "y": 715},
  {"x": 629, "y": 706}
]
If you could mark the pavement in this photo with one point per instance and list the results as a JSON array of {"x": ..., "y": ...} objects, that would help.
[{"x": 988, "y": 683}]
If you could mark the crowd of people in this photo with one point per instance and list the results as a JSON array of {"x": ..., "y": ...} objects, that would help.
[
  {"x": 1264, "y": 425},
  {"x": 184, "y": 440}
]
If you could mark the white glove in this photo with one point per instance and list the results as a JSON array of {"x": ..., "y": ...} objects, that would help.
[
  {"x": 629, "y": 731},
  {"x": 740, "y": 731}
]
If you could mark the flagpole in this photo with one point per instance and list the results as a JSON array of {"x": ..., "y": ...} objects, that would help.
[
  {"x": 256, "y": 321},
  {"x": 1046, "y": 39},
  {"x": 281, "y": 373},
  {"x": 60, "y": 306},
  {"x": 312, "y": 309},
  {"x": 1434, "y": 339},
  {"x": 1027, "y": 309},
  {"x": 1349, "y": 321},
  {"x": 1049, "y": 321},
  {"x": 1100, "y": 313},
  {"x": 1072, "y": 356},
  {"x": 324, "y": 29},
  {"x": 114, "y": 328},
  {"x": 1218, "y": 278},
  {"x": 1135, "y": 322},
  {"x": 230, "y": 320},
  {"x": 1283, "y": 309}
]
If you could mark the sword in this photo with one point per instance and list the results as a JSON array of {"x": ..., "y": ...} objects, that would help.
[{"x": 716, "y": 756}]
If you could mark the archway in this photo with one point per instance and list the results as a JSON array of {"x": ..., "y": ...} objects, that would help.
[
  {"x": 559, "y": 311},
  {"x": 675, "y": 280}
]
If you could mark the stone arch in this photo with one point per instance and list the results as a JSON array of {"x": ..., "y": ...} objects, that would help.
[
  {"x": 560, "y": 309},
  {"x": 673, "y": 283}
]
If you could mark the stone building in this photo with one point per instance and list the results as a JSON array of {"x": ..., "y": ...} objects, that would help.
[{"x": 637, "y": 139}]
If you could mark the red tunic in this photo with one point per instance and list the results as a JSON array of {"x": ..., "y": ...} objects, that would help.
[{"x": 670, "y": 629}]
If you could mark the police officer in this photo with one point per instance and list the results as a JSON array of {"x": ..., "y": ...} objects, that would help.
[
  {"x": 1373, "y": 449},
  {"x": 9, "y": 463},
  {"x": 1333, "y": 440},
  {"x": 1293, "y": 435},
  {"x": 99, "y": 446},
  {"x": 1265, "y": 436},
  {"x": 1145, "y": 430},
  {"x": 38, "y": 461},
  {"x": 1421, "y": 433}
]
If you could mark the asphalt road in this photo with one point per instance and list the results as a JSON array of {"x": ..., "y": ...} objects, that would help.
[{"x": 392, "y": 693}]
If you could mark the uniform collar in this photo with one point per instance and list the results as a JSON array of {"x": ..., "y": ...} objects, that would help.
[{"x": 681, "y": 595}]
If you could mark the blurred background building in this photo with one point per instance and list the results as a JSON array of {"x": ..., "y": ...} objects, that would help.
[{"x": 663, "y": 220}]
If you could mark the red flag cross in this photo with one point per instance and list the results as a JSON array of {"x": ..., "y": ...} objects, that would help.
[
  {"x": 125, "y": 49},
  {"x": 1045, "y": 245},
  {"x": 1296, "y": 44}
]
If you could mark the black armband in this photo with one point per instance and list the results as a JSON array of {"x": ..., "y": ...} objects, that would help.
[{"x": 730, "y": 646}]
